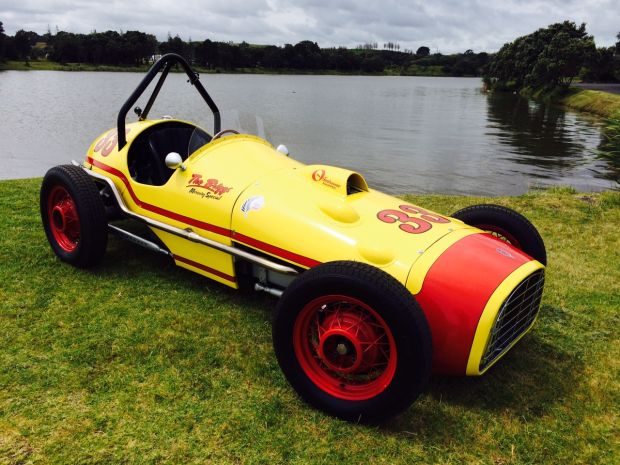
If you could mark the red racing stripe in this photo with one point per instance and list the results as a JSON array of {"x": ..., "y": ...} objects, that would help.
[
  {"x": 208, "y": 269},
  {"x": 263, "y": 246},
  {"x": 155, "y": 209},
  {"x": 273, "y": 250}
]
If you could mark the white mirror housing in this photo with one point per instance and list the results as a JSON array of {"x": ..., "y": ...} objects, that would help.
[
  {"x": 282, "y": 149},
  {"x": 174, "y": 161}
]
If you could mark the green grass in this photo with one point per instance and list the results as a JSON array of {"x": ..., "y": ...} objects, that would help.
[
  {"x": 142, "y": 362},
  {"x": 417, "y": 70},
  {"x": 593, "y": 101},
  {"x": 45, "y": 65},
  {"x": 597, "y": 102}
]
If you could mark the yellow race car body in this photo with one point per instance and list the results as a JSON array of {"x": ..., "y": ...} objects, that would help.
[
  {"x": 236, "y": 210},
  {"x": 240, "y": 191}
]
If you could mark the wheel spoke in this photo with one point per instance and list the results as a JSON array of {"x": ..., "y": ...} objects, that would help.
[
  {"x": 63, "y": 218},
  {"x": 347, "y": 346},
  {"x": 375, "y": 343}
]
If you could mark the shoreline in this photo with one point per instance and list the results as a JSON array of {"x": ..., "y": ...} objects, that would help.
[
  {"x": 596, "y": 102},
  {"x": 35, "y": 65}
]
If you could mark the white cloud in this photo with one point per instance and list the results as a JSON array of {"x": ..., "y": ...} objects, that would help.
[{"x": 448, "y": 25}]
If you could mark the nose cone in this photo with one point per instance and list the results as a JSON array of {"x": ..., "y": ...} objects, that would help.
[{"x": 462, "y": 296}]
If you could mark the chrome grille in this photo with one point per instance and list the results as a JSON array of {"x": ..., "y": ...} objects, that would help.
[{"x": 515, "y": 316}]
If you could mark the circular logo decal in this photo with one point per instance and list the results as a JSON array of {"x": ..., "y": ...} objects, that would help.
[{"x": 318, "y": 175}]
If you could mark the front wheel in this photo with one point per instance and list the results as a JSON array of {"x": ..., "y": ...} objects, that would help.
[
  {"x": 507, "y": 225},
  {"x": 352, "y": 341},
  {"x": 73, "y": 216}
]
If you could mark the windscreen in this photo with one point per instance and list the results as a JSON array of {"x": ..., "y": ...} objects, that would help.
[{"x": 243, "y": 123}]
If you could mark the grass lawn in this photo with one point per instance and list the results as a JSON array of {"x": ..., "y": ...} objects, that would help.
[
  {"x": 600, "y": 103},
  {"x": 45, "y": 65},
  {"x": 142, "y": 362}
]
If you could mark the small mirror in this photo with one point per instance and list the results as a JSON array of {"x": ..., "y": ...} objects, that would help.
[
  {"x": 174, "y": 161},
  {"x": 282, "y": 149}
]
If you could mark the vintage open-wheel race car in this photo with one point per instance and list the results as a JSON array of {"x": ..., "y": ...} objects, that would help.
[{"x": 375, "y": 294}]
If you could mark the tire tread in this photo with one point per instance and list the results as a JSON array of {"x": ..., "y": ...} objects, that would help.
[
  {"x": 93, "y": 223},
  {"x": 411, "y": 321},
  {"x": 531, "y": 241}
]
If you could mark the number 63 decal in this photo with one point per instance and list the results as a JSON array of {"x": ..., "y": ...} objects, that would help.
[{"x": 411, "y": 224}]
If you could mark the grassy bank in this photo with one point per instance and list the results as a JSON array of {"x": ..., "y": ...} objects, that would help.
[
  {"x": 44, "y": 65},
  {"x": 597, "y": 102},
  {"x": 41, "y": 65},
  {"x": 142, "y": 362}
]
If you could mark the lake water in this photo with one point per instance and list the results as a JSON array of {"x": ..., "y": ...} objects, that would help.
[{"x": 404, "y": 134}]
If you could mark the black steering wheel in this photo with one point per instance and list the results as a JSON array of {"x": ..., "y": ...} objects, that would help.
[{"x": 224, "y": 131}]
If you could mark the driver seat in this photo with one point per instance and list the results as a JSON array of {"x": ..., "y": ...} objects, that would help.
[
  {"x": 147, "y": 156},
  {"x": 160, "y": 144}
]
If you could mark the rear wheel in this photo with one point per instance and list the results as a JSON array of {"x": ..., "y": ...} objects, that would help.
[
  {"x": 73, "y": 216},
  {"x": 352, "y": 341},
  {"x": 506, "y": 225}
]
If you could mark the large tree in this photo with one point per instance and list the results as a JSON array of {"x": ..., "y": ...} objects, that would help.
[
  {"x": 602, "y": 66},
  {"x": 307, "y": 55},
  {"x": 423, "y": 51},
  {"x": 176, "y": 45},
  {"x": 2, "y": 40},
  {"x": 548, "y": 58},
  {"x": 23, "y": 42},
  {"x": 140, "y": 47}
]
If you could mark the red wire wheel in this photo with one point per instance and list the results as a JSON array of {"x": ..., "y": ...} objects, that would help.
[
  {"x": 73, "y": 216},
  {"x": 500, "y": 233},
  {"x": 352, "y": 341},
  {"x": 507, "y": 225},
  {"x": 63, "y": 218},
  {"x": 345, "y": 347}
]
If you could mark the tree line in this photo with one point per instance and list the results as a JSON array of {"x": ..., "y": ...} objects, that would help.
[
  {"x": 548, "y": 58},
  {"x": 135, "y": 48},
  {"x": 551, "y": 58}
]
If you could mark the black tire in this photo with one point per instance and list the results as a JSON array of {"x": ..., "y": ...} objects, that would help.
[
  {"x": 383, "y": 384},
  {"x": 508, "y": 225},
  {"x": 73, "y": 216}
]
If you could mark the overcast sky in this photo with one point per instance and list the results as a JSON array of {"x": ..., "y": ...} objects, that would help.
[{"x": 447, "y": 26}]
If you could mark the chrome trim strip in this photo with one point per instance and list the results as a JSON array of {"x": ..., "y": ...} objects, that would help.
[
  {"x": 191, "y": 235},
  {"x": 131, "y": 237}
]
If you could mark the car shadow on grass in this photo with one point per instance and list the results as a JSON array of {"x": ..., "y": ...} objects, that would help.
[
  {"x": 526, "y": 384},
  {"x": 124, "y": 260}
]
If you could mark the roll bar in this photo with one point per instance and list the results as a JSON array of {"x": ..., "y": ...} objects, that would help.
[{"x": 165, "y": 62}]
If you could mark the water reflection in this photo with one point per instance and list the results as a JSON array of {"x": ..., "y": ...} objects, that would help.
[
  {"x": 609, "y": 152},
  {"x": 404, "y": 134},
  {"x": 549, "y": 141}
]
